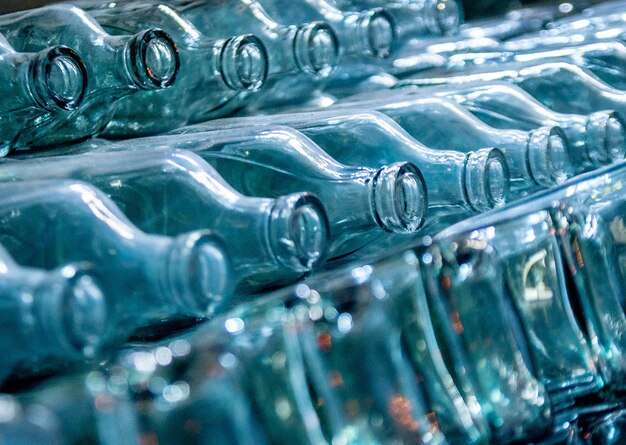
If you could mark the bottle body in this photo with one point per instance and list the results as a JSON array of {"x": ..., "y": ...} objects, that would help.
[{"x": 269, "y": 241}]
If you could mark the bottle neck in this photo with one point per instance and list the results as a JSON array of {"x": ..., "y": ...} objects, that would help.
[
  {"x": 243, "y": 63},
  {"x": 605, "y": 138},
  {"x": 547, "y": 153},
  {"x": 150, "y": 59},
  {"x": 316, "y": 49},
  {"x": 370, "y": 33},
  {"x": 486, "y": 179}
]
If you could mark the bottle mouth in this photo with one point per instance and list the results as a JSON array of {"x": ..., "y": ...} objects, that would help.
[
  {"x": 74, "y": 311},
  {"x": 316, "y": 49},
  {"x": 487, "y": 179},
  {"x": 59, "y": 79},
  {"x": 548, "y": 156},
  {"x": 154, "y": 60},
  {"x": 376, "y": 33},
  {"x": 399, "y": 198},
  {"x": 244, "y": 63},
  {"x": 198, "y": 273},
  {"x": 443, "y": 17},
  {"x": 605, "y": 137}
]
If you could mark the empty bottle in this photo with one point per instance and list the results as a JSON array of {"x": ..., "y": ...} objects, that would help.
[
  {"x": 486, "y": 347},
  {"x": 362, "y": 203},
  {"x": 596, "y": 139},
  {"x": 536, "y": 159},
  {"x": 458, "y": 183},
  {"x": 50, "y": 319},
  {"x": 270, "y": 241},
  {"x": 37, "y": 88},
  {"x": 215, "y": 74},
  {"x": 149, "y": 279},
  {"x": 117, "y": 66}
]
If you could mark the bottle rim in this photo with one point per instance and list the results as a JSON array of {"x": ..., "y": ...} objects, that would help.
[
  {"x": 548, "y": 156},
  {"x": 444, "y": 17},
  {"x": 487, "y": 179},
  {"x": 316, "y": 49},
  {"x": 605, "y": 137},
  {"x": 46, "y": 91},
  {"x": 140, "y": 47},
  {"x": 238, "y": 69},
  {"x": 376, "y": 33}
]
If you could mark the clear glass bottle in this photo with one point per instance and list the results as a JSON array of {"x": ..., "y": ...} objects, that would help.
[
  {"x": 216, "y": 74},
  {"x": 51, "y": 319},
  {"x": 149, "y": 279},
  {"x": 458, "y": 183},
  {"x": 537, "y": 159},
  {"x": 488, "y": 348},
  {"x": 37, "y": 88},
  {"x": 165, "y": 192},
  {"x": 361, "y": 203},
  {"x": 117, "y": 66}
]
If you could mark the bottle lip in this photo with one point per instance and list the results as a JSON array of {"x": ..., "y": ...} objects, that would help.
[
  {"x": 399, "y": 197},
  {"x": 376, "y": 33},
  {"x": 605, "y": 137},
  {"x": 548, "y": 156},
  {"x": 198, "y": 273},
  {"x": 487, "y": 179},
  {"x": 153, "y": 59},
  {"x": 299, "y": 231},
  {"x": 244, "y": 63},
  {"x": 75, "y": 314},
  {"x": 443, "y": 17},
  {"x": 316, "y": 49},
  {"x": 59, "y": 79}
]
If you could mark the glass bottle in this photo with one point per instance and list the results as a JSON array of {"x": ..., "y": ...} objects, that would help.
[
  {"x": 150, "y": 279},
  {"x": 50, "y": 318},
  {"x": 215, "y": 74},
  {"x": 560, "y": 86},
  {"x": 361, "y": 203},
  {"x": 462, "y": 278},
  {"x": 596, "y": 139},
  {"x": 538, "y": 158},
  {"x": 458, "y": 183},
  {"x": 165, "y": 192},
  {"x": 117, "y": 66},
  {"x": 37, "y": 88}
]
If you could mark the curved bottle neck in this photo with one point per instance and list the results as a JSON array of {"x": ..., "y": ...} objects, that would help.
[{"x": 369, "y": 33}]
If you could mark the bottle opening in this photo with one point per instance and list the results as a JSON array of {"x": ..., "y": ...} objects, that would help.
[
  {"x": 74, "y": 311},
  {"x": 59, "y": 79},
  {"x": 299, "y": 231},
  {"x": 316, "y": 49},
  {"x": 548, "y": 156},
  {"x": 154, "y": 59},
  {"x": 487, "y": 179},
  {"x": 244, "y": 63},
  {"x": 198, "y": 273},
  {"x": 399, "y": 198},
  {"x": 605, "y": 138},
  {"x": 377, "y": 33},
  {"x": 445, "y": 17}
]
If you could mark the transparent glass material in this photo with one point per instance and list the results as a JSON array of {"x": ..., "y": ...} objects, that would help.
[
  {"x": 560, "y": 86},
  {"x": 607, "y": 60},
  {"x": 36, "y": 88},
  {"x": 216, "y": 75},
  {"x": 537, "y": 159},
  {"x": 595, "y": 18},
  {"x": 24, "y": 425},
  {"x": 268, "y": 241},
  {"x": 458, "y": 183},
  {"x": 50, "y": 319},
  {"x": 462, "y": 278},
  {"x": 149, "y": 279},
  {"x": 117, "y": 66},
  {"x": 596, "y": 139},
  {"x": 361, "y": 203}
]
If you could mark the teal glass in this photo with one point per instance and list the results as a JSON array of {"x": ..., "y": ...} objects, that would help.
[
  {"x": 149, "y": 279},
  {"x": 38, "y": 88},
  {"x": 268, "y": 241},
  {"x": 215, "y": 75},
  {"x": 560, "y": 86},
  {"x": 117, "y": 66},
  {"x": 458, "y": 183},
  {"x": 51, "y": 319},
  {"x": 595, "y": 18},
  {"x": 363, "y": 204},
  {"x": 596, "y": 139},
  {"x": 462, "y": 278},
  {"x": 23, "y": 425},
  {"x": 537, "y": 159},
  {"x": 607, "y": 59}
]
